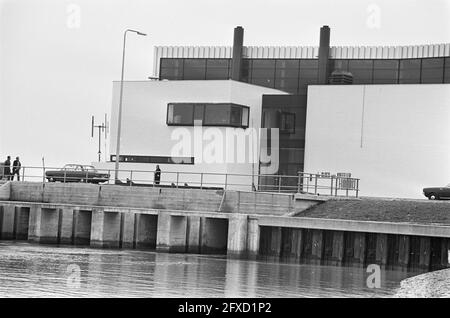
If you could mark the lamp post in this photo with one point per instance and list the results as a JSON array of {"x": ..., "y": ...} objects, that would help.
[{"x": 119, "y": 116}]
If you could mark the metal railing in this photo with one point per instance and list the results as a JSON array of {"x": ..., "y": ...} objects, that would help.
[{"x": 307, "y": 183}]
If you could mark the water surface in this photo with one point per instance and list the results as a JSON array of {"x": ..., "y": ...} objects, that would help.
[{"x": 28, "y": 270}]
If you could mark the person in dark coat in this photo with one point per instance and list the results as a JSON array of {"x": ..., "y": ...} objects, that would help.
[
  {"x": 157, "y": 174},
  {"x": 7, "y": 168},
  {"x": 16, "y": 169}
]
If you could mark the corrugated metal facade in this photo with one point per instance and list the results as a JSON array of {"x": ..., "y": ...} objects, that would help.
[{"x": 298, "y": 52}]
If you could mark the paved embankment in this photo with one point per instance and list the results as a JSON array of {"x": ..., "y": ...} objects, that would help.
[{"x": 382, "y": 210}]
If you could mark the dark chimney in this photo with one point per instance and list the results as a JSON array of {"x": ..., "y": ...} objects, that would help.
[
  {"x": 324, "y": 54},
  {"x": 238, "y": 42}
]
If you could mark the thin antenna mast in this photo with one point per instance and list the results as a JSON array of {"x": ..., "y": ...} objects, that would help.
[{"x": 101, "y": 128}]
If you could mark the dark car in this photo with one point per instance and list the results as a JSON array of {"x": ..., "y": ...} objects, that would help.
[
  {"x": 437, "y": 193},
  {"x": 76, "y": 173}
]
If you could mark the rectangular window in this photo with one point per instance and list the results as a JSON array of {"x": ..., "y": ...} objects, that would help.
[
  {"x": 154, "y": 159},
  {"x": 409, "y": 71},
  {"x": 362, "y": 71},
  {"x": 432, "y": 70},
  {"x": 180, "y": 114},
  {"x": 171, "y": 69},
  {"x": 447, "y": 70},
  {"x": 212, "y": 114},
  {"x": 217, "y": 115},
  {"x": 287, "y": 123},
  {"x": 262, "y": 72},
  {"x": 339, "y": 65},
  {"x": 217, "y": 69},
  {"x": 385, "y": 71},
  {"x": 194, "y": 69}
]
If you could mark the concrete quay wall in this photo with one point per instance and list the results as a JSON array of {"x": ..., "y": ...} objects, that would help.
[
  {"x": 298, "y": 240},
  {"x": 153, "y": 197}
]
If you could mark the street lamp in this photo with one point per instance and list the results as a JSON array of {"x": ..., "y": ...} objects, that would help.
[{"x": 119, "y": 117}]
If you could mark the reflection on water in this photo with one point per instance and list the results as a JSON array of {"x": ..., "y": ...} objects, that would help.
[{"x": 48, "y": 271}]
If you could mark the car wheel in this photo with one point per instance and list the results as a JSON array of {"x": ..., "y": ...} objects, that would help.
[{"x": 433, "y": 196}]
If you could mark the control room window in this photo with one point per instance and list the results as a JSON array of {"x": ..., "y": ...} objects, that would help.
[
  {"x": 180, "y": 114},
  {"x": 213, "y": 114},
  {"x": 217, "y": 115}
]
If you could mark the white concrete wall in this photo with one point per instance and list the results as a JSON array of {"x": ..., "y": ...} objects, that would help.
[
  {"x": 145, "y": 132},
  {"x": 395, "y": 138}
]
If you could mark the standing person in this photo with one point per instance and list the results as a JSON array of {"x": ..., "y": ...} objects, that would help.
[
  {"x": 7, "y": 168},
  {"x": 157, "y": 174},
  {"x": 16, "y": 169}
]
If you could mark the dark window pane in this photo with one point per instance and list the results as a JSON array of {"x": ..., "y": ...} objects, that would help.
[
  {"x": 385, "y": 64},
  {"x": 266, "y": 82},
  {"x": 288, "y": 64},
  {"x": 218, "y": 114},
  {"x": 217, "y": 69},
  {"x": 409, "y": 71},
  {"x": 308, "y": 76},
  {"x": 263, "y": 72},
  {"x": 194, "y": 69},
  {"x": 194, "y": 73},
  {"x": 221, "y": 63},
  {"x": 217, "y": 73},
  {"x": 245, "y": 116},
  {"x": 385, "y": 72},
  {"x": 432, "y": 70},
  {"x": 447, "y": 70},
  {"x": 245, "y": 70},
  {"x": 361, "y": 70},
  {"x": 199, "y": 112},
  {"x": 286, "y": 72},
  {"x": 287, "y": 123},
  {"x": 180, "y": 114},
  {"x": 177, "y": 63},
  {"x": 194, "y": 63},
  {"x": 385, "y": 76},
  {"x": 236, "y": 116},
  {"x": 360, "y": 64},
  {"x": 341, "y": 65},
  {"x": 263, "y": 63},
  {"x": 311, "y": 63},
  {"x": 286, "y": 83},
  {"x": 171, "y": 73}
]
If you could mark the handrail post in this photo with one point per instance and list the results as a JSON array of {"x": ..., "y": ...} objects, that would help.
[
  {"x": 178, "y": 176},
  {"x": 299, "y": 182},
  {"x": 43, "y": 174},
  {"x": 65, "y": 171},
  {"x": 226, "y": 180},
  {"x": 201, "y": 180},
  {"x": 87, "y": 177},
  {"x": 238, "y": 201},
  {"x": 109, "y": 174},
  {"x": 331, "y": 185},
  {"x": 315, "y": 184},
  {"x": 23, "y": 174},
  {"x": 357, "y": 187},
  {"x": 131, "y": 177},
  {"x": 279, "y": 184},
  {"x": 336, "y": 187}
]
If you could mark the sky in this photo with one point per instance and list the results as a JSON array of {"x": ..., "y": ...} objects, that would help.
[{"x": 58, "y": 58}]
